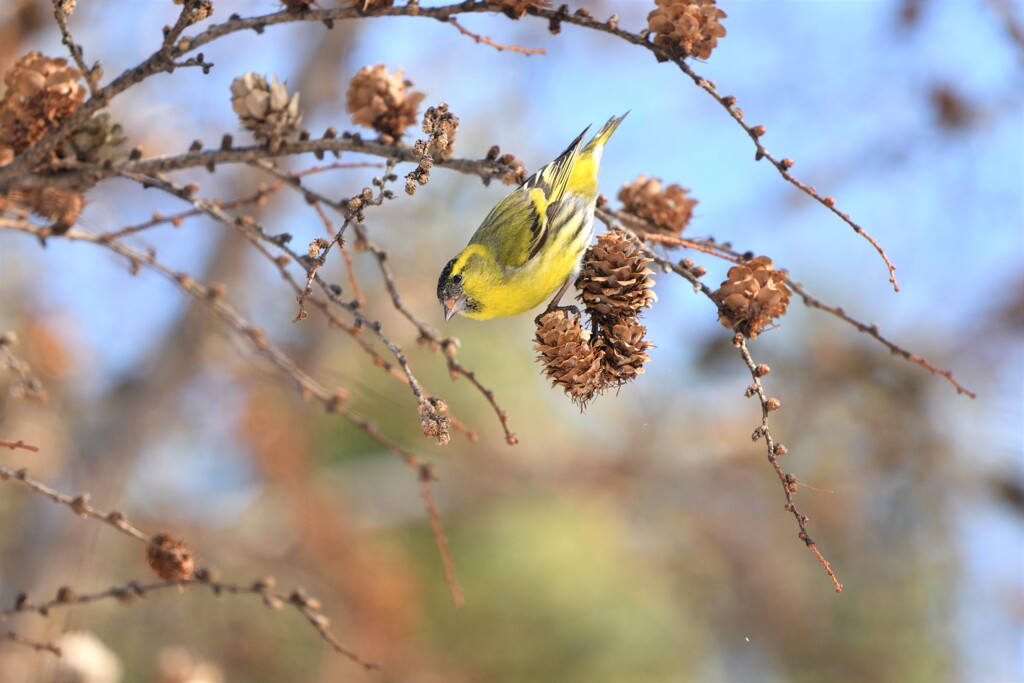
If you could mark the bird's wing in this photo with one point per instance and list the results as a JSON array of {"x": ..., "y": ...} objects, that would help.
[{"x": 517, "y": 228}]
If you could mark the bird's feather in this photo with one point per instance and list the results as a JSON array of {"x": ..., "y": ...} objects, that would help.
[
  {"x": 533, "y": 204},
  {"x": 532, "y": 242}
]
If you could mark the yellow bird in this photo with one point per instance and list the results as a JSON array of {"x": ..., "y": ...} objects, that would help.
[{"x": 531, "y": 243}]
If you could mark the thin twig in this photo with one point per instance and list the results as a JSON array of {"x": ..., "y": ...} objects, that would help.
[
  {"x": 307, "y": 606},
  {"x": 76, "y": 173},
  {"x": 767, "y": 405},
  {"x": 259, "y": 239},
  {"x": 872, "y": 330},
  {"x": 164, "y": 60},
  {"x": 60, "y": 15},
  {"x": 254, "y": 231},
  {"x": 703, "y": 246},
  {"x": 643, "y": 230},
  {"x": 37, "y": 645},
  {"x": 177, "y": 219},
  {"x": 78, "y": 504},
  {"x": 318, "y": 257},
  {"x": 172, "y": 33},
  {"x": 775, "y": 450},
  {"x": 486, "y": 40},
  {"x": 447, "y": 345},
  {"x": 783, "y": 165},
  {"x": 333, "y": 400},
  {"x": 19, "y": 444},
  {"x": 229, "y": 314},
  {"x": 440, "y": 538}
]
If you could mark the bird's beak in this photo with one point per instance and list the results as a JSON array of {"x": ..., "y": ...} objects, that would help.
[{"x": 449, "y": 309}]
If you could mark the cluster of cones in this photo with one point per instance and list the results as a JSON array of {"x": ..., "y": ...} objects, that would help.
[
  {"x": 41, "y": 93},
  {"x": 615, "y": 286}
]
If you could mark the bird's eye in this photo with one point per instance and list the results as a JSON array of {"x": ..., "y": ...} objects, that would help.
[{"x": 457, "y": 279}]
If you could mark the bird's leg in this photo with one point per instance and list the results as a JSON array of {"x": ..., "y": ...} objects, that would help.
[{"x": 553, "y": 306}]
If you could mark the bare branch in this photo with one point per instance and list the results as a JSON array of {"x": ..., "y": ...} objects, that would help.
[
  {"x": 163, "y": 60},
  {"x": 78, "y": 504},
  {"x": 60, "y": 14},
  {"x": 309, "y": 607},
  {"x": 872, "y": 330},
  {"x": 440, "y": 538},
  {"x": 643, "y": 229},
  {"x": 783, "y": 165},
  {"x": 37, "y": 645},
  {"x": 776, "y": 450},
  {"x": 767, "y": 405},
  {"x": 486, "y": 40},
  {"x": 428, "y": 335},
  {"x": 333, "y": 400},
  {"x": 19, "y": 444}
]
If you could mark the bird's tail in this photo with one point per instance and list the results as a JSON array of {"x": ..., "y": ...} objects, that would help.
[
  {"x": 584, "y": 173},
  {"x": 598, "y": 141}
]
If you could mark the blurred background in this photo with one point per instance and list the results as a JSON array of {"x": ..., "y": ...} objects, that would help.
[{"x": 641, "y": 541}]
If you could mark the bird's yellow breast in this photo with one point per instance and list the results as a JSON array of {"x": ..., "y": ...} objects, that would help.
[
  {"x": 523, "y": 289},
  {"x": 503, "y": 291}
]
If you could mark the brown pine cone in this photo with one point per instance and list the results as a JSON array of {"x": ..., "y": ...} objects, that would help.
[
  {"x": 60, "y": 206},
  {"x": 41, "y": 92},
  {"x": 434, "y": 420},
  {"x": 569, "y": 360},
  {"x": 753, "y": 296},
  {"x": 667, "y": 209},
  {"x": 95, "y": 142},
  {"x": 615, "y": 282},
  {"x": 170, "y": 558},
  {"x": 265, "y": 109},
  {"x": 378, "y": 99},
  {"x": 624, "y": 351},
  {"x": 689, "y": 26}
]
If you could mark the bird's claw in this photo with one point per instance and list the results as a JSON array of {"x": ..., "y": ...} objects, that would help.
[{"x": 572, "y": 310}]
